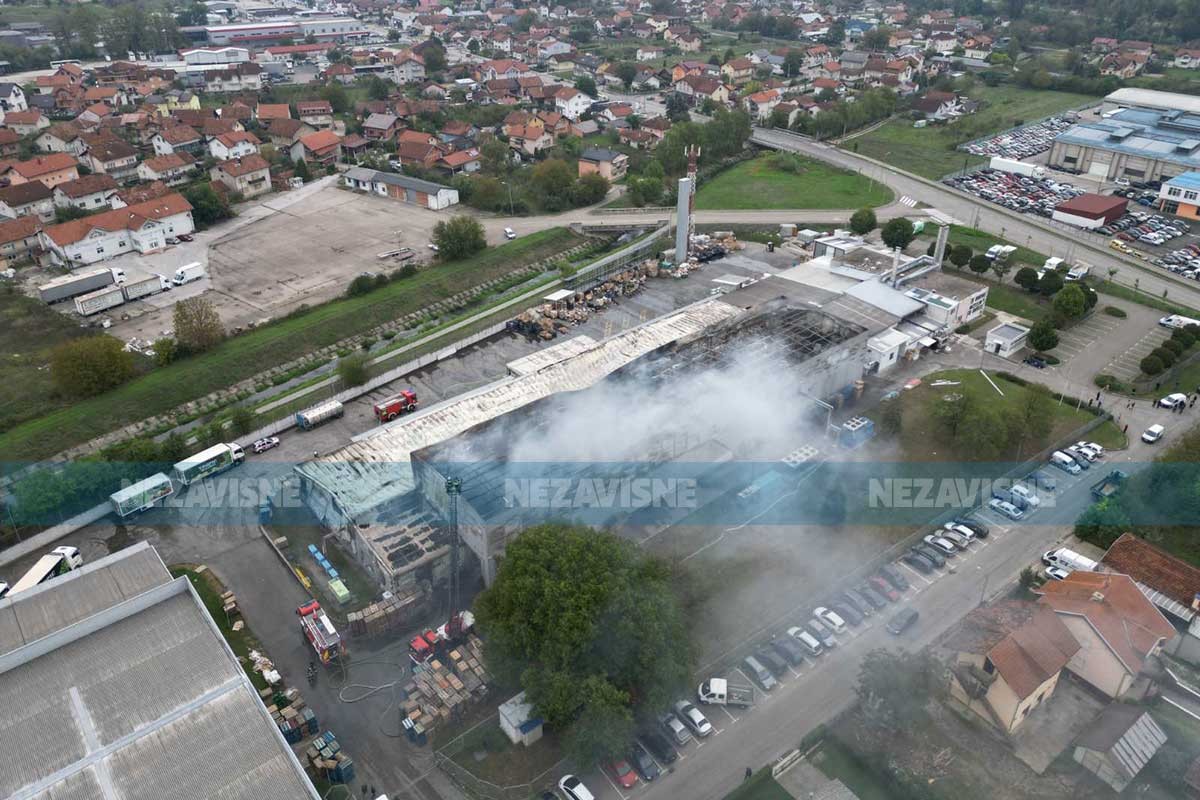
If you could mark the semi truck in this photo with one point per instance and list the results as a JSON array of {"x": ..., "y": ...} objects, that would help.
[
  {"x": 1109, "y": 485},
  {"x": 403, "y": 403},
  {"x": 138, "y": 288},
  {"x": 69, "y": 286},
  {"x": 58, "y": 561},
  {"x": 318, "y": 414},
  {"x": 1017, "y": 167},
  {"x": 720, "y": 692},
  {"x": 320, "y": 634},
  {"x": 141, "y": 495},
  {"x": 99, "y": 300},
  {"x": 188, "y": 273},
  {"x": 215, "y": 459}
]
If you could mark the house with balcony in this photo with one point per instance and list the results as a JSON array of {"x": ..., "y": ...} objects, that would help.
[
  {"x": 112, "y": 156},
  {"x": 87, "y": 193},
  {"x": 248, "y": 176},
  {"x": 33, "y": 199},
  {"x": 173, "y": 170},
  {"x": 233, "y": 145},
  {"x": 322, "y": 148},
  {"x": 178, "y": 138}
]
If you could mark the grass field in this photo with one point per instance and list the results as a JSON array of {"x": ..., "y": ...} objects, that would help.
[
  {"x": 29, "y": 330},
  {"x": 764, "y": 182},
  {"x": 292, "y": 337},
  {"x": 760, "y": 787},
  {"x": 931, "y": 152}
]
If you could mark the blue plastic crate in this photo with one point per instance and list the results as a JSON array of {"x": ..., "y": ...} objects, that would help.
[
  {"x": 333, "y": 573},
  {"x": 312, "y": 548}
]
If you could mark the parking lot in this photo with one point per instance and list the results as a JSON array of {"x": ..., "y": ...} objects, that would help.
[
  {"x": 1083, "y": 335},
  {"x": 1023, "y": 142},
  {"x": 1020, "y": 193}
]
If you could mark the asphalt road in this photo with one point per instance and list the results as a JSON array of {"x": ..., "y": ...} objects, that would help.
[
  {"x": 986, "y": 216},
  {"x": 819, "y": 690}
]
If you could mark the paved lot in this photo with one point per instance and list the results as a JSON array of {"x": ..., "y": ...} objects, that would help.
[{"x": 1079, "y": 338}]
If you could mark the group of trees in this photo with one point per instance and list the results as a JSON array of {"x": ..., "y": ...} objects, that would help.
[
  {"x": 868, "y": 107},
  {"x": 980, "y": 431},
  {"x": 722, "y": 138},
  {"x": 588, "y": 624},
  {"x": 1166, "y": 354},
  {"x": 459, "y": 237}
]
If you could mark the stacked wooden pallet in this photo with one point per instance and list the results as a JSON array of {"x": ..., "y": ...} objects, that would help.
[
  {"x": 386, "y": 616},
  {"x": 443, "y": 686}
]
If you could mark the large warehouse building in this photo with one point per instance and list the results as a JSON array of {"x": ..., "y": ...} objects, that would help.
[
  {"x": 116, "y": 683},
  {"x": 760, "y": 368},
  {"x": 1142, "y": 135}
]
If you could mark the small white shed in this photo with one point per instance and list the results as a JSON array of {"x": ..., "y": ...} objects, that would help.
[
  {"x": 1007, "y": 339},
  {"x": 518, "y": 722}
]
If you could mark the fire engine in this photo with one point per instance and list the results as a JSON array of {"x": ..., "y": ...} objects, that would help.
[
  {"x": 319, "y": 632},
  {"x": 403, "y": 403}
]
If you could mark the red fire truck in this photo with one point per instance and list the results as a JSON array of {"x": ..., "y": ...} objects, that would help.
[
  {"x": 433, "y": 643},
  {"x": 403, "y": 403},
  {"x": 319, "y": 632}
]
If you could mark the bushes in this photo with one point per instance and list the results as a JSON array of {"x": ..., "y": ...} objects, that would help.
[
  {"x": 1113, "y": 311},
  {"x": 1110, "y": 382},
  {"x": 1151, "y": 365},
  {"x": 1165, "y": 356},
  {"x": 1174, "y": 345}
]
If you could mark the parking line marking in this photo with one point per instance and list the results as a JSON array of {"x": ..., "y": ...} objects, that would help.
[
  {"x": 914, "y": 572},
  {"x": 620, "y": 794}
]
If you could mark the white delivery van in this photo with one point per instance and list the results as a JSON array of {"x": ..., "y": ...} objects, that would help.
[
  {"x": 1064, "y": 462},
  {"x": 188, "y": 273}
]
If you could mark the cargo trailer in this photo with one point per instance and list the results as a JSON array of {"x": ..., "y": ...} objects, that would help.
[
  {"x": 69, "y": 286},
  {"x": 99, "y": 300}
]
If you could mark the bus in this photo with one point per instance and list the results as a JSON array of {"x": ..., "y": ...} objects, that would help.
[
  {"x": 215, "y": 459},
  {"x": 141, "y": 495},
  {"x": 58, "y": 561}
]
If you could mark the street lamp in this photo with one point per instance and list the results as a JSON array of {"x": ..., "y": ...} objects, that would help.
[{"x": 511, "y": 213}]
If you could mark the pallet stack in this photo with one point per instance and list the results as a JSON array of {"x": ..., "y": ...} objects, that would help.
[
  {"x": 291, "y": 714},
  {"x": 324, "y": 757},
  {"x": 392, "y": 615},
  {"x": 442, "y": 686}
]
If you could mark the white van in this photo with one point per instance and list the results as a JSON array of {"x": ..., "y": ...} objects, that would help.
[{"x": 1064, "y": 462}]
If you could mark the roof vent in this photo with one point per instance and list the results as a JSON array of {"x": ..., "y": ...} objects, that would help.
[{"x": 1097, "y": 597}]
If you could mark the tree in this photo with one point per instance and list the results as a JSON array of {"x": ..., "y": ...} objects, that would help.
[
  {"x": 898, "y": 232},
  {"x": 208, "y": 207},
  {"x": 338, "y": 99},
  {"x": 981, "y": 432},
  {"x": 459, "y": 237},
  {"x": 1027, "y": 278},
  {"x": 1027, "y": 579},
  {"x": 1000, "y": 269},
  {"x": 620, "y": 648},
  {"x": 677, "y": 108},
  {"x": 553, "y": 180},
  {"x": 951, "y": 410},
  {"x": 979, "y": 263},
  {"x": 1035, "y": 413},
  {"x": 377, "y": 88},
  {"x": 1163, "y": 355},
  {"x": 960, "y": 255},
  {"x": 1042, "y": 336},
  {"x": 877, "y": 38},
  {"x": 1049, "y": 284},
  {"x": 863, "y": 221},
  {"x": 1151, "y": 365},
  {"x": 586, "y": 84},
  {"x": 164, "y": 350},
  {"x": 352, "y": 370},
  {"x": 1070, "y": 302},
  {"x": 435, "y": 58},
  {"x": 590, "y": 189},
  {"x": 301, "y": 171},
  {"x": 197, "y": 325},
  {"x": 90, "y": 365},
  {"x": 894, "y": 688},
  {"x": 627, "y": 72},
  {"x": 242, "y": 420}
]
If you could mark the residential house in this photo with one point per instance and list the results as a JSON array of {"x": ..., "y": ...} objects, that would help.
[
  {"x": 648, "y": 52},
  {"x": 354, "y": 146},
  {"x": 171, "y": 170},
  {"x": 1117, "y": 744},
  {"x": 978, "y": 46},
  {"x": 422, "y": 154},
  {"x": 63, "y": 137},
  {"x": 245, "y": 77},
  {"x": 460, "y": 162},
  {"x": 266, "y": 112},
  {"x": 737, "y": 71},
  {"x": 12, "y": 98},
  {"x": 1186, "y": 58},
  {"x": 1008, "y": 657},
  {"x": 111, "y": 156},
  {"x": 602, "y": 161},
  {"x": 408, "y": 67},
  {"x": 249, "y": 176},
  {"x": 178, "y": 138},
  {"x": 321, "y": 148},
  {"x": 939, "y": 105},
  {"x": 87, "y": 193},
  {"x": 503, "y": 68},
  {"x": 529, "y": 140},
  {"x": 637, "y": 139},
  {"x": 141, "y": 193},
  {"x": 425, "y": 194},
  {"x": 34, "y": 199},
  {"x": 381, "y": 127},
  {"x": 26, "y": 123},
  {"x": 317, "y": 113},
  {"x": 342, "y": 73},
  {"x": 700, "y": 88},
  {"x": 286, "y": 132},
  {"x": 51, "y": 170},
  {"x": 760, "y": 104},
  {"x": 456, "y": 129},
  {"x": 141, "y": 228},
  {"x": 1170, "y": 583},
  {"x": 1116, "y": 626},
  {"x": 233, "y": 145},
  {"x": 10, "y": 143},
  {"x": 20, "y": 238},
  {"x": 571, "y": 102},
  {"x": 111, "y": 96}
]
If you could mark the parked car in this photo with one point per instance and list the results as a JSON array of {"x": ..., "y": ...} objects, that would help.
[
  {"x": 185, "y": 237},
  {"x": 265, "y": 444},
  {"x": 1080, "y": 457},
  {"x": 848, "y": 613},
  {"x": 758, "y": 671},
  {"x": 810, "y": 643},
  {"x": 945, "y": 546},
  {"x": 931, "y": 554},
  {"x": 1153, "y": 434},
  {"x": 894, "y": 576},
  {"x": 1057, "y": 573},
  {"x": 573, "y": 789},
  {"x": 918, "y": 562},
  {"x": 823, "y": 634},
  {"x": 976, "y": 527},
  {"x": 859, "y": 602},
  {"x": 1064, "y": 462},
  {"x": 873, "y": 597},
  {"x": 659, "y": 747},
  {"x": 791, "y": 649},
  {"x": 640, "y": 758},
  {"x": 1005, "y": 508},
  {"x": 1093, "y": 447},
  {"x": 830, "y": 619},
  {"x": 619, "y": 770},
  {"x": 884, "y": 588},
  {"x": 955, "y": 538},
  {"x": 967, "y": 533},
  {"x": 691, "y": 716},
  {"x": 1035, "y": 362},
  {"x": 1173, "y": 401},
  {"x": 675, "y": 729},
  {"x": 904, "y": 619},
  {"x": 1042, "y": 480},
  {"x": 771, "y": 660},
  {"x": 509, "y": 233}
]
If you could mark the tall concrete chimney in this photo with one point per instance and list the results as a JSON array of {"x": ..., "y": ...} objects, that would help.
[{"x": 895, "y": 266}]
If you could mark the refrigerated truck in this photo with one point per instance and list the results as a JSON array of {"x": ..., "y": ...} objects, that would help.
[
  {"x": 215, "y": 459},
  {"x": 99, "y": 300},
  {"x": 69, "y": 286},
  {"x": 137, "y": 288},
  {"x": 141, "y": 495},
  {"x": 1019, "y": 167},
  {"x": 58, "y": 561}
]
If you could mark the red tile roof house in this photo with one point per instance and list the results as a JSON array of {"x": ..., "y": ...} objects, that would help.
[
  {"x": 179, "y": 137},
  {"x": 173, "y": 169},
  {"x": 318, "y": 113},
  {"x": 51, "y": 170},
  {"x": 141, "y": 228},
  {"x": 322, "y": 147},
  {"x": 249, "y": 176},
  {"x": 265, "y": 112},
  {"x": 20, "y": 238},
  {"x": 233, "y": 145},
  {"x": 90, "y": 192}
]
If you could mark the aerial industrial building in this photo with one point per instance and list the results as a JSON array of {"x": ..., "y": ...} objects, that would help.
[
  {"x": 827, "y": 324},
  {"x": 115, "y": 682}
]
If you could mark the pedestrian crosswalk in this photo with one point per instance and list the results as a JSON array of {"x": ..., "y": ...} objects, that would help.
[{"x": 908, "y": 201}]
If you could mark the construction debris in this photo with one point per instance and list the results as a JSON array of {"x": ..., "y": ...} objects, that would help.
[{"x": 442, "y": 686}]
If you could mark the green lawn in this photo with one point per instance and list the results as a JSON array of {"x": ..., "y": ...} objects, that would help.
[
  {"x": 760, "y": 787},
  {"x": 243, "y": 356},
  {"x": 931, "y": 152},
  {"x": 29, "y": 330},
  {"x": 765, "y": 182},
  {"x": 837, "y": 762},
  {"x": 240, "y": 642}
]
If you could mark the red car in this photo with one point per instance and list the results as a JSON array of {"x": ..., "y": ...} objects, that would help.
[
  {"x": 622, "y": 773},
  {"x": 884, "y": 588}
]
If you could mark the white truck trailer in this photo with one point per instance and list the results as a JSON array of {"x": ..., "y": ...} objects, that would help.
[
  {"x": 137, "y": 288},
  {"x": 1017, "y": 167},
  {"x": 99, "y": 300},
  {"x": 215, "y": 459},
  {"x": 78, "y": 283},
  {"x": 141, "y": 495}
]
